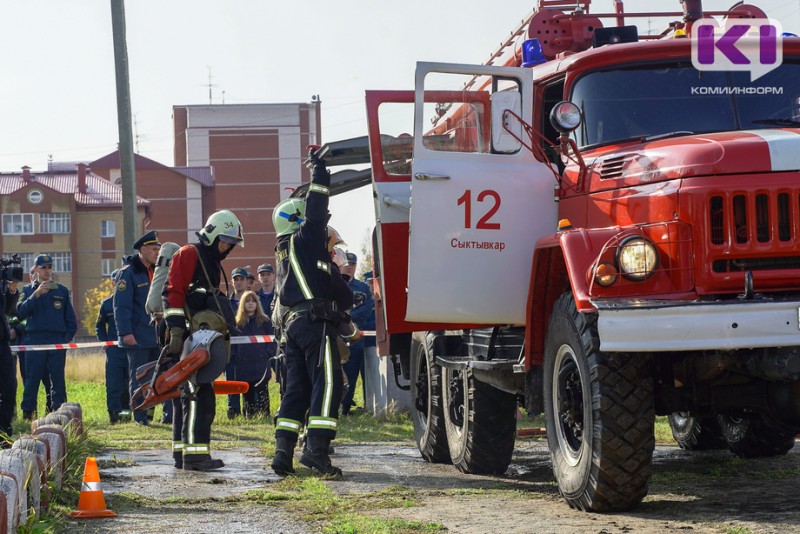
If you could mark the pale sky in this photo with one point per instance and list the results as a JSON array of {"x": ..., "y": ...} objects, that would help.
[{"x": 58, "y": 92}]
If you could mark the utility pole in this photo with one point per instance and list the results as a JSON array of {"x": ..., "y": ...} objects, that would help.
[{"x": 124, "y": 123}]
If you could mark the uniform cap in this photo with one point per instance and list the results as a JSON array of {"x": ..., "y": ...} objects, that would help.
[
  {"x": 265, "y": 267},
  {"x": 43, "y": 259},
  {"x": 368, "y": 276},
  {"x": 251, "y": 276},
  {"x": 352, "y": 258},
  {"x": 150, "y": 238},
  {"x": 239, "y": 271}
]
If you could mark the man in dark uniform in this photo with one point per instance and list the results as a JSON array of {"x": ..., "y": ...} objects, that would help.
[
  {"x": 137, "y": 337},
  {"x": 18, "y": 325},
  {"x": 239, "y": 279},
  {"x": 363, "y": 315},
  {"x": 117, "y": 373},
  {"x": 50, "y": 318},
  {"x": 193, "y": 286},
  {"x": 266, "y": 290},
  {"x": 310, "y": 294}
]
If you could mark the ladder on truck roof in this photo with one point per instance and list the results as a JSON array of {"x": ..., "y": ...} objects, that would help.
[{"x": 574, "y": 37}]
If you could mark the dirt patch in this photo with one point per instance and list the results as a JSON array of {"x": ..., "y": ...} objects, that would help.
[{"x": 696, "y": 492}]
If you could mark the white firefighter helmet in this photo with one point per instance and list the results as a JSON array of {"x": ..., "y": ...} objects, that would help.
[
  {"x": 224, "y": 225},
  {"x": 288, "y": 215}
]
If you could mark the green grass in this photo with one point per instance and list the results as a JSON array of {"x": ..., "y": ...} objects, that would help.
[
  {"x": 226, "y": 434},
  {"x": 304, "y": 494},
  {"x": 311, "y": 500}
]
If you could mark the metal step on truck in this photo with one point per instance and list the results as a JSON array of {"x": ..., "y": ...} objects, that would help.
[{"x": 600, "y": 226}]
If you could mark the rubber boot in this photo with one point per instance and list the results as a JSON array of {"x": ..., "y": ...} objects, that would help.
[
  {"x": 201, "y": 462},
  {"x": 304, "y": 443},
  {"x": 178, "y": 457},
  {"x": 284, "y": 452},
  {"x": 315, "y": 457}
]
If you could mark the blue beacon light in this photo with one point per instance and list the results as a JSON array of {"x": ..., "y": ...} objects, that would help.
[{"x": 532, "y": 53}]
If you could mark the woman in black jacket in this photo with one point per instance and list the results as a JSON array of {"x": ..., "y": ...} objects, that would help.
[{"x": 251, "y": 361}]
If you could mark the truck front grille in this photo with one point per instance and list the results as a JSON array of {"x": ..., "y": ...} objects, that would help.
[
  {"x": 753, "y": 218},
  {"x": 756, "y": 231}
]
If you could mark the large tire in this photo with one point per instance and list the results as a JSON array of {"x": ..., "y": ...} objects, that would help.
[
  {"x": 753, "y": 438},
  {"x": 480, "y": 421},
  {"x": 599, "y": 414},
  {"x": 696, "y": 433},
  {"x": 427, "y": 413}
]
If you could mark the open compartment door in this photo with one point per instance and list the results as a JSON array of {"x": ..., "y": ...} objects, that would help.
[{"x": 479, "y": 199}]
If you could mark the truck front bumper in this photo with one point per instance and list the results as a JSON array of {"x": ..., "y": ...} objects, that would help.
[{"x": 661, "y": 326}]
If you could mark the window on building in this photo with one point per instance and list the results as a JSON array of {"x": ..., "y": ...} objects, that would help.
[
  {"x": 62, "y": 261},
  {"x": 18, "y": 224},
  {"x": 107, "y": 267},
  {"x": 54, "y": 223},
  {"x": 108, "y": 228},
  {"x": 35, "y": 196},
  {"x": 25, "y": 257}
]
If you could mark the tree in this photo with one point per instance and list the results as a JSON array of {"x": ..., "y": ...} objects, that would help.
[
  {"x": 91, "y": 306},
  {"x": 365, "y": 261}
]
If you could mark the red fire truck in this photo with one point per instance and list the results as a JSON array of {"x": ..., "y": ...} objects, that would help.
[{"x": 592, "y": 225}]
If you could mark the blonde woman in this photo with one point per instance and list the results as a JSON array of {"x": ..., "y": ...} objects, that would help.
[{"x": 251, "y": 361}]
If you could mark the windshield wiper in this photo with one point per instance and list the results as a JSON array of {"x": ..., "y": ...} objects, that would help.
[
  {"x": 778, "y": 122},
  {"x": 665, "y": 135}
]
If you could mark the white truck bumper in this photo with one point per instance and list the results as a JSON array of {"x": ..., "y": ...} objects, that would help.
[{"x": 647, "y": 326}]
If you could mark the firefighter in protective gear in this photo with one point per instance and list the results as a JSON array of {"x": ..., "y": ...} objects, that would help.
[
  {"x": 310, "y": 295},
  {"x": 192, "y": 287}
]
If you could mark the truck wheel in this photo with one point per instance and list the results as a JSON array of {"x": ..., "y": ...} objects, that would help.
[
  {"x": 696, "y": 433},
  {"x": 426, "y": 394},
  {"x": 599, "y": 414},
  {"x": 480, "y": 421},
  {"x": 749, "y": 438}
]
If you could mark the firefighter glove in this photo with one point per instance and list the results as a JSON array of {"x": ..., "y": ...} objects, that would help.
[
  {"x": 314, "y": 159},
  {"x": 175, "y": 340}
]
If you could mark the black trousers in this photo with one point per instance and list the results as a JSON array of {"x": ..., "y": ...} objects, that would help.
[
  {"x": 48, "y": 387},
  {"x": 313, "y": 380},
  {"x": 199, "y": 406},
  {"x": 177, "y": 425},
  {"x": 8, "y": 387}
]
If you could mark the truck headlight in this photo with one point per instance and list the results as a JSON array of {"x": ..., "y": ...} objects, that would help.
[{"x": 637, "y": 258}]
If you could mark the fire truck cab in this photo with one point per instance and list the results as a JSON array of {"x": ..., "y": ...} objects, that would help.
[{"x": 594, "y": 228}]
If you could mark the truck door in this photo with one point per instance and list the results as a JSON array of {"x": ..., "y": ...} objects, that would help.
[
  {"x": 479, "y": 199},
  {"x": 390, "y": 117}
]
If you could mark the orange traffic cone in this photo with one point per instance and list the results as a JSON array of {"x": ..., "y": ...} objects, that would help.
[{"x": 91, "y": 502}]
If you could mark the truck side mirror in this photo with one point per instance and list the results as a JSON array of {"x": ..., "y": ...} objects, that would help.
[{"x": 502, "y": 140}]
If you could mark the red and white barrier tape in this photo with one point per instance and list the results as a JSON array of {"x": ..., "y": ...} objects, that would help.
[{"x": 235, "y": 340}]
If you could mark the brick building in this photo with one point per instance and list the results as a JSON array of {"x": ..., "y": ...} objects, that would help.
[
  {"x": 180, "y": 197},
  {"x": 256, "y": 151},
  {"x": 74, "y": 216}
]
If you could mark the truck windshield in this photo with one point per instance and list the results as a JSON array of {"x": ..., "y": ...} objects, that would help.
[{"x": 676, "y": 99}]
